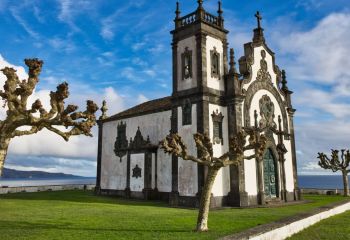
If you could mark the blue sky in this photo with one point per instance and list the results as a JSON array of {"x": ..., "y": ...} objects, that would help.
[{"x": 120, "y": 51}]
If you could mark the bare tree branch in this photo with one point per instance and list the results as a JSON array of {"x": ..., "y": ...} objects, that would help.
[{"x": 15, "y": 96}]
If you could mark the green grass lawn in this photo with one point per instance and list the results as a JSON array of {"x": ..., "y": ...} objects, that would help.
[
  {"x": 81, "y": 215},
  {"x": 335, "y": 228}
]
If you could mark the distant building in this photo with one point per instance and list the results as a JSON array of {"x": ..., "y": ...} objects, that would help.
[{"x": 209, "y": 95}]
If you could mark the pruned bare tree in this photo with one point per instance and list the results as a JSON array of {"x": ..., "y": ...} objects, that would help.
[
  {"x": 173, "y": 144},
  {"x": 15, "y": 96},
  {"x": 337, "y": 163}
]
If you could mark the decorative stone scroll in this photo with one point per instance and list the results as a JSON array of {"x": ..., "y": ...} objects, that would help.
[
  {"x": 267, "y": 112},
  {"x": 263, "y": 74},
  {"x": 136, "y": 172},
  {"x": 122, "y": 146}
]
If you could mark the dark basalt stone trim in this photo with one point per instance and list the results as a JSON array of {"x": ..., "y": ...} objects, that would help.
[
  {"x": 99, "y": 157},
  {"x": 262, "y": 85},
  {"x": 175, "y": 73},
  {"x": 195, "y": 91},
  {"x": 201, "y": 40},
  {"x": 174, "y": 161},
  {"x": 128, "y": 164},
  {"x": 148, "y": 171},
  {"x": 189, "y": 30},
  {"x": 193, "y": 201}
]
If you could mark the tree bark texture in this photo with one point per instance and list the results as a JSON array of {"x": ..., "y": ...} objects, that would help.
[
  {"x": 202, "y": 221},
  {"x": 346, "y": 183},
  {"x": 4, "y": 144}
]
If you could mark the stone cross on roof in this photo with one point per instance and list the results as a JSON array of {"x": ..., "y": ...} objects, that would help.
[{"x": 258, "y": 18}]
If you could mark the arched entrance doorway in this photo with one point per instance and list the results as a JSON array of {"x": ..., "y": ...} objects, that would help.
[{"x": 270, "y": 175}]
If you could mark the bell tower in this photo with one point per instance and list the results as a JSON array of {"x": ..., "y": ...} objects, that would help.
[{"x": 199, "y": 51}]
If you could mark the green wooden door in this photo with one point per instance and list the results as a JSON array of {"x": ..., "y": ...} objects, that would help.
[{"x": 270, "y": 183}]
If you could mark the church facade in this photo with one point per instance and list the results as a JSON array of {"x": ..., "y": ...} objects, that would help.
[{"x": 210, "y": 95}]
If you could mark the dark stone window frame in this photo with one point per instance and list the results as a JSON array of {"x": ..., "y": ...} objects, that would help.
[
  {"x": 217, "y": 127},
  {"x": 187, "y": 113},
  {"x": 187, "y": 54},
  {"x": 215, "y": 63},
  {"x": 121, "y": 143}
]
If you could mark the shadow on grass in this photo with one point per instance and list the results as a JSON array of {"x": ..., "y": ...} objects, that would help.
[
  {"x": 81, "y": 197},
  {"x": 18, "y": 225}
]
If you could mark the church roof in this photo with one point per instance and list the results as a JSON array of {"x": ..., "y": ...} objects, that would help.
[{"x": 153, "y": 106}]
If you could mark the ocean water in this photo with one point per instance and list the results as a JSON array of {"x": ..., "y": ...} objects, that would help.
[
  {"x": 43, "y": 182},
  {"x": 322, "y": 182},
  {"x": 305, "y": 181}
]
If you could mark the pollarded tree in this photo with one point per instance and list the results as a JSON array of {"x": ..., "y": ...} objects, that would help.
[
  {"x": 173, "y": 144},
  {"x": 36, "y": 118},
  {"x": 337, "y": 164}
]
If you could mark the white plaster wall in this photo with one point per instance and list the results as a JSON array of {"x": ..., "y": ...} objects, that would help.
[
  {"x": 221, "y": 185},
  {"x": 163, "y": 171},
  {"x": 250, "y": 176},
  {"x": 190, "y": 43},
  {"x": 113, "y": 172},
  {"x": 256, "y": 66},
  {"x": 288, "y": 165},
  {"x": 137, "y": 184},
  {"x": 188, "y": 175},
  {"x": 215, "y": 83},
  {"x": 156, "y": 126}
]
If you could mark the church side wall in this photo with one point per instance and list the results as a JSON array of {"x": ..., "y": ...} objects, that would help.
[
  {"x": 187, "y": 170},
  {"x": 113, "y": 171},
  {"x": 221, "y": 185},
  {"x": 184, "y": 84},
  {"x": 213, "y": 82},
  {"x": 156, "y": 126}
]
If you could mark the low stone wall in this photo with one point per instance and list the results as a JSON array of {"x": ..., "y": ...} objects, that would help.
[
  {"x": 286, "y": 227},
  {"x": 6, "y": 190},
  {"x": 322, "y": 191}
]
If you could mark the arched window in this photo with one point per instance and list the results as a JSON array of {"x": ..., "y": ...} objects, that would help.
[
  {"x": 186, "y": 64},
  {"x": 215, "y": 63}
]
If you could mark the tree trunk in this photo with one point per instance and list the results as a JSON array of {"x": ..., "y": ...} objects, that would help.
[
  {"x": 346, "y": 183},
  {"x": 4, "y": 144},
  {"x": 202, "y": 221}
]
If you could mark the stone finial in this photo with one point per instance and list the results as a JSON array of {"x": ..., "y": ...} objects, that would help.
[
  {"x": 220, "y": 12},
  {"x": 104, "y": 110},
  {"x": 232, "y": 61},
  {"x": 284, "y": 81},
  {"x": 200, "y": 4},
  {"x": 177, "y": 12}
]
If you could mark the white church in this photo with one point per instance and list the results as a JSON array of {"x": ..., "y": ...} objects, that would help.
[{"x": 209, "y": 96}]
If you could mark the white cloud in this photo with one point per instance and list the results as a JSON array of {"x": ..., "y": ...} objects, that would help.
[
  {"x": 142, "y": 98},
  {"x": 322, "y": 53},
  {"x": 17, "y": 16}
]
